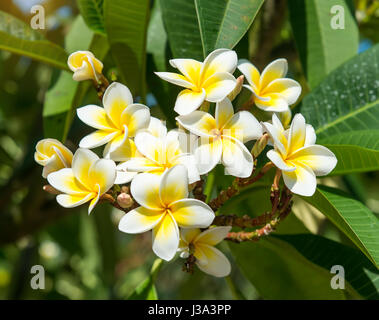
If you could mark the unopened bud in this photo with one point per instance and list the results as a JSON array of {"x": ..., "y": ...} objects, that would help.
[
  {"x": 124, "y": 200},
  {"x": 259, "y": 145},
  {"x": 237, "y": 88}
]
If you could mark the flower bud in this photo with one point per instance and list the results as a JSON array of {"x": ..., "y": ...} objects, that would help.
[
  {"x": 124, "y": 200},
  {"x": 52, "y": 155},
  {"x": 237, "y": 88},
  {"x": 85, "y": 66}
]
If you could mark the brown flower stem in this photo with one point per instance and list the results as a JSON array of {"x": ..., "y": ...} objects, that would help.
[
  {"x": 242, "y": 222},
  {"x": 101, "y": 85},
  {"x": 234, "y": 189},
  {"x": 198, "y": 190}
]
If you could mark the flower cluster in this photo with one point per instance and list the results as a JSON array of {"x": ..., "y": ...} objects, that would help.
[{"x": 163, "y": 167}]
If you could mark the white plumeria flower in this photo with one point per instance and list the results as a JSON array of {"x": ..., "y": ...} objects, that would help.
[
  {"x": 271, "y": 91},
  {"x": 297, "y": 156},
  {"x": 211, "y": 80},
  {"x": 84, "y": 65},
  {"x": 164, "y": 207},
  {"x": 119, "y": 120},
  {"x": 222, "y": 139},
  {"x": 52, "y": 155},
  {"x": 158, "y": 151},
  {"x": 209, "y": 259},
  {"x": 87, "y": 180}
]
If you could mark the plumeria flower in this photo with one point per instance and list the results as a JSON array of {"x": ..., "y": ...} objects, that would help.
[
  {"x": 119, "y": 120},
  {"x": 87, "y": 180},
  {"x": 297, "y": 156},
  {"x": 211, "y": 80},
  {"x": 271, "y": 91},
  {"x": 201, "y": 244},
  {"x": 222, "y": 139},
  {"x": 164, "y": 207},
  {"x": 52, "y": 155},
  {"x": 84, "y": 65}
]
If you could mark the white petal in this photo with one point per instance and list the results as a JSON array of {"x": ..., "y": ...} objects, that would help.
[
  {"x": 189, "y": 234},
  {"x": 116, "y": 143},
  {"x": 150, "y": 146},
  {"x": 220, "y": 60},
  {"x": 95, "y": 200},
  {"x": 123, "y": 177},
  {"x": 224, "y": 112},
  {"x": 243, "y": 126},
  {"x": 174, "y": 185},
  {"x": 218, "y": 86},
  {"x": 302, "y": 181},
  {"x": 289, "y": 89},
  {"x": 175, "y": 78},
  {"x": 94, "y": 116},
  {"x": 277, "y": 123},
  {"x": 213, "y": 236},
  {"x": 296, "y": 138},
  {"x": 278, "y": 161},
  {"x": 65, "y": 181},
  {"x": 250, "y": 72},
  {"x": 276, "y": 69},
  {"x": 157, "y": 128},
  {"x": 189, "y": 68},
  {"x": 319, "y": 158},
  {"x": 207, "y": 154},
  {"x": 97, "y": 138},
  {"x": 198, "y": 122},
  {"x": 81, "y": 163},
  {"x": 310, "y": 135},
  {"x": 280, "y": 141},
  {"x": 102, "y": 173},
  {"x": 188, "y": 101},
  {"x": 139, "y": 164},
  {"x": 237, "y": 160},
  {"x": 140, "y": 220},
  {"x": 255, "y": 93},
  {"x": 116, "y": 98},
  {"x": 272, "y": 102},
  {"x": 192, "y": 213},
  {"x": 166, "y": 238},
  {"x": 145, "y": 190},
  {"x": 136, "y": 117},
  {"x": 124, "y": 152},
  {"x": 71, "y": 201},
  {"x": 217, "y": 264},
  {"x": 189, "y": 161}
]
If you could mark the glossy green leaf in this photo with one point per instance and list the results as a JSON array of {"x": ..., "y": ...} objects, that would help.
[
  {"x": 278, "y": 271},
  {"x": 92, "y": 12},
  {"x": 356, "y": 151},
  {"x": 146, "y": 290},
  {"x": 126, "y": 24},
  {"x": 181, "y": 23},
  {"x": 322, "y": 47},
  {"x": 17, "y": 37},
  {"x": 224, "y": 22},
  {"x": 348, "y": 99},
  {"x": 355, "y": 220},
  {"x": 359, "y": 271},
  {"x": 67, "y": 94}
]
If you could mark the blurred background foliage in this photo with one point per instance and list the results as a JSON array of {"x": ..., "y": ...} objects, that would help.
[{"x": 86, "y": 257}]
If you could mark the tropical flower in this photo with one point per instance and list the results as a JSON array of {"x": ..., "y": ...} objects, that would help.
[
  {"x": 87, "y": 180},
  {"x": 164, "y": 207},
  {"x": 297, "y": 156},
  {"x": 201, "y": 244},
  {"x": 211, "y": 80},
  {"x": 223, "y": 138},
  {"x": 84, "y": 65},
  {"x": 271, "y": 91},
  {"x": 52, "y": 155},
  {"x": 119, "y": 120}
]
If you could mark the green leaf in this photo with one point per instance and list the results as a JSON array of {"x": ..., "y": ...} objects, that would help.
[
  {"x": 356, "y": 151},
  {"x": 126, "y": 24},
  {"x": 92, "y": 12},
  {"x": 224, "y": 22},
  {"x": 355, "y": 220},
  {"x": 348, "y": 99},
  {"x": 146, "y": 290},
  {"x": 182, "y": 27},
  {"x": 17, "y": 37},
  {"x": 321, "y": 47},
  {"x": 278, "y": 271},
  {"x": 359, "y": 271},
  {"x": 67, "y": 94}
]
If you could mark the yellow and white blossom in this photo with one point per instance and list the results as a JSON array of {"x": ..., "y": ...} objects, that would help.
[
  {"x": 52, "y": 155},
  {"x": 271, "y": 91},
  {"x": 88, "y": 179},
  {"x": 211, "y": 80},
  {"x": 164, "y": 207},
  {"x": 84, "y": 65},
  {"x": 297, "y": 156},
  {"x": 201, "y": 244},
  {"x": 222, "y": 139},
  {"x": 119, "y": 120}
]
